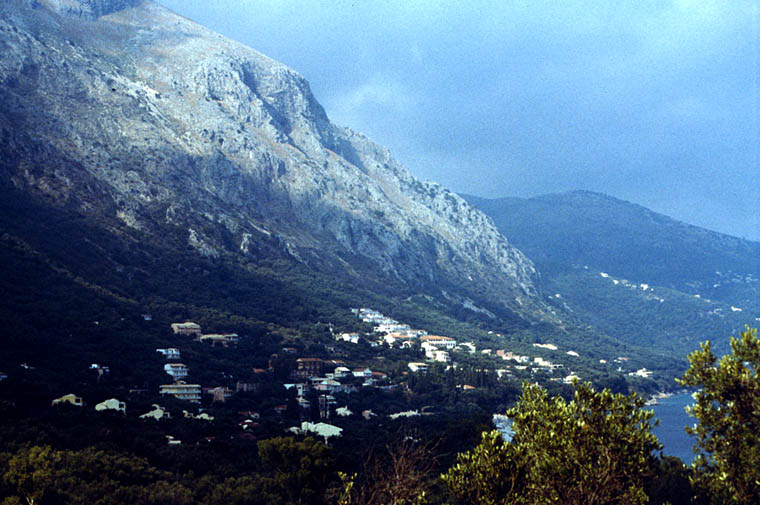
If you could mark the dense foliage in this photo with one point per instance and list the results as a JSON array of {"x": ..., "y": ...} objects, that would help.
[
  {"x": 727, "y": 410},
  {"x": 595, "y": 449}
]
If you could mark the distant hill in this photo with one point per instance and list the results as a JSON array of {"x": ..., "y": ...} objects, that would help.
[{"x": 575, "y": 237}]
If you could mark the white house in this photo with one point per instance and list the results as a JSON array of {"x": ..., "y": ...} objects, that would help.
[
  {"x": 439, "y": 341},
  {"x": 321, "y": 429},
  {"x": 418, "y": 367},
  {"x": 186, "y": 328},
  {"x": 438, "y": 355},
  {"x": 177, "y": 370},
  {"x": 641, "y": 372},
  {"x": 551, "y": 347},
  {"x": 352, "y": 338},
  {"x": 343, "y": 411},
  {"x": 341, "y": 371},
  {"x": 467, "y": 347},
  {"x": 70, "y": 398},
  {"x": 408, "y": 413},
  {"x": 112, "y": 404},
  {"x": 169, "y": 353},
  {"x": 157, "y": 413},
  {"x": 364, "y": 373}
]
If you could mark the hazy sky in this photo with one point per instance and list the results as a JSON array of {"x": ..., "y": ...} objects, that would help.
[{"x": 651, "y": 101}]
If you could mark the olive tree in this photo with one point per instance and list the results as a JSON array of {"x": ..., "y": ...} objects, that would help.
[
  {"x": 595, "y": 449},
  {"x": 727, "y": 410}
]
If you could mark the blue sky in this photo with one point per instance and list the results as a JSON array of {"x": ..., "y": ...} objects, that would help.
[{"x": 655, "y": 102}]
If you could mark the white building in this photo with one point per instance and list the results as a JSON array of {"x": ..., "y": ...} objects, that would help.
[
  {"x": 189, "y": 392},
  {"x": 418, "y": 367},
  {"x": 343, "y": 411},
  {"x": 467, "y": 346},
  {"x": 169, "y": 353},
  {"x": 641, "y": 372},
  {"x": 177, "y": 370},
  {"x": 352, "y": 338},
  {"x": 440, "y": 356},
  {"x": 112, "y": 404},
  {"x": 321, "y": 429},
  {"x": 551, "y": 347},
  {"x": 408, "y": 413},
  {"x": 157, "y": 413},
  {"x": 186, "y": 328},
  {"x": 439, "y": 341},
  {"x": 392, "y": 327}
]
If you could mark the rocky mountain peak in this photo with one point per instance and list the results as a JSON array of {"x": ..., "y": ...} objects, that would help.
[
  {"x": 88, "y": 9},
  {"x": 162, "y": 122}
]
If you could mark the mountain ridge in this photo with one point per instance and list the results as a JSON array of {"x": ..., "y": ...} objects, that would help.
[
  {"x": 633, "y": 272},
  {"x": 130, "y": 107}
]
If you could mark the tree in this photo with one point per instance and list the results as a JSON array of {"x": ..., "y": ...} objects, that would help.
[
  {"x": 494, "y": 473},
  {"x": 595, "y": 449},
  {"x": 727, "y": 408},
  {"x": 299, "y": 472},
  {"x": 400, "y": 477}
]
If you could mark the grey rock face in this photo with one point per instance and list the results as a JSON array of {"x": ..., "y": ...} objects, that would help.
[
  {"x": 87, "y": 9},
  {"x": 157, "y": 120}
]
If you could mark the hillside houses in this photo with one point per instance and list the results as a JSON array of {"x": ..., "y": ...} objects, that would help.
[{"x": 301, "y": 381}]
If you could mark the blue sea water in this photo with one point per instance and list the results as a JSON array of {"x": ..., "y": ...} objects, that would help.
[{"x": 673, "y": 419}]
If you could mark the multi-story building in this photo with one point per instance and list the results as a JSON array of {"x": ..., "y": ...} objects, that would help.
[
  {"x": 189, "y": 392},
  {"x": 439, "y": 341},
  {"x": 309, "y": 367}
]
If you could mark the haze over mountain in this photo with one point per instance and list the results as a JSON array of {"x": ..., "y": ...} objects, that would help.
[{"x": 655, "y": 102}]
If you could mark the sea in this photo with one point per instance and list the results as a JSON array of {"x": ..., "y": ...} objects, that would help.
[{"x": 671, "y": 412}]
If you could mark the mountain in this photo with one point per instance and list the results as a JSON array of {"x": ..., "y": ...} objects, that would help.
[
  {"x": 162, "y": 130},
  {"x": 612, "y": 262},
  {"x": 151, "y": 166}
]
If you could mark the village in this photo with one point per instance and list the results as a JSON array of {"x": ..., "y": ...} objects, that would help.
[{"x": 314, "y": 384}]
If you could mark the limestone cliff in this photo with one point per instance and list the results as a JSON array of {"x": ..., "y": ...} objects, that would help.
[{"x": 124, "y": 108}]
